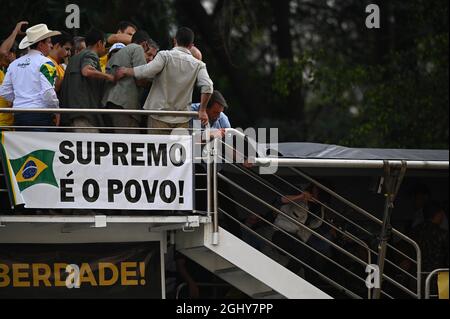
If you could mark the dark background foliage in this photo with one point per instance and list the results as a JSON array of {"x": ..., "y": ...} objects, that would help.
[{"x": 309, "y": 67}]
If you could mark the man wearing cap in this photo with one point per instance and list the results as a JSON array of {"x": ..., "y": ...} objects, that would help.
[
  {"x": 125, "y": 94},
  {"x": 30, "y": 80}
]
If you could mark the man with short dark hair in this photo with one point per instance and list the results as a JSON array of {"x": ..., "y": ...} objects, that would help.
[
  {"x": 83, "y": 84},
  {"x": 125, "y": 93},
  {"x": 62, "y": 46},
  {"x": 217, "y": 118},
  {"x": 124, "y": 34},
  {"x": 174, "y": 74},
  {"x": 30, "y": 80}
]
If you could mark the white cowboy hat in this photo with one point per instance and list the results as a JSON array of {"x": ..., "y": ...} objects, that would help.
[{"x": 35, "y": 34}]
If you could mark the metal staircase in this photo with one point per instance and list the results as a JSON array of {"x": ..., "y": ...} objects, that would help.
[
  {"x": 244, "y": 267},
  {"x": 363, "y": 241}
]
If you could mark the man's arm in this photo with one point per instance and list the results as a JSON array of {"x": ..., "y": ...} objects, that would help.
[
  {"x": 89, "y": 68},
  {"x": 143, "y": 72},
  {"x": 47, "y": 80},
  {"x": 202, "y": 115},
  {"x": 119, "y": 38},
  {"x": 206, "y": 86},
  {"x": 304, "y": 197},
  {"x": 6, "y": 89},
  {"x": 9, "y": 42},
  {"x": 91, "y": 72}
]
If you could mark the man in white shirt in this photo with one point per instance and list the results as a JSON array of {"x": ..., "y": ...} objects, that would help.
[
  {"x": 174, "y": 74},
  {"x": 30, "y": 80}
]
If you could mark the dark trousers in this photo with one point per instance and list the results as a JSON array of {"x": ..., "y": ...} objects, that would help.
[{"x": 34, "y": 119}]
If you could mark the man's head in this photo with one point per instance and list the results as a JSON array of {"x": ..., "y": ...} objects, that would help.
[
  {"x": 217, "y": 104},
  {"x": 196, "y": 53},
  {"x": 150, "y": 47},
  {"x": 95, "y": 41},
  {"x": 79, "y": 44},
  {"x": 126, "y": 27},
  {"x": 185, "y": 38},
  {"x": 62, "y": 46},
  {"x": 434, "y": 212},
  {"x": 38, "y": 38},
  {"x": 44, "y": 46}
]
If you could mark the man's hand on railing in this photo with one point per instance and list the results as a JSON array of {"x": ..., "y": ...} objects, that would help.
[
  {"x": 248, "y": 165},
  {"x": 220, "y": 133}
]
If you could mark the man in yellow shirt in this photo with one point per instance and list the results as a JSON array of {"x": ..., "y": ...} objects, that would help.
[{"x": 62, "y": 46}]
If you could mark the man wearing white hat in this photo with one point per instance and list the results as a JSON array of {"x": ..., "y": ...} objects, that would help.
[{"x": 30, "y": 80}]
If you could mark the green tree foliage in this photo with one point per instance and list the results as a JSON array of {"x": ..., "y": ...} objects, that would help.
[{"x": 309, "y": 67}]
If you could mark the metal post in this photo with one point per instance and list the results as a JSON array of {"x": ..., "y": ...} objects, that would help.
[
  {"x": 209, "y": 172},
  {"x": 392, "y": 182},
  {"x": 215, "y": 240}
]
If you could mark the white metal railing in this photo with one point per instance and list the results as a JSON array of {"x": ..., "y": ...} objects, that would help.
[
  {"x": 293, "y": 163},
  {"x": 430, "y": 277}
]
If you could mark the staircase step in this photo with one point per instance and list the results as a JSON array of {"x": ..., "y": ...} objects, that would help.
[{"x": 227, "y": 271}]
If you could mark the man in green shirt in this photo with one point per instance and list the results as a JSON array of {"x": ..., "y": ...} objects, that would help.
[{"x": 83, "y": 84}]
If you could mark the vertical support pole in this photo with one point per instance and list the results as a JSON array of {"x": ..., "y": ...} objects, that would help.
[
  {"x": 392, "y": 183},
  {"x": 215, "y": 240},
  {"x": 209, "y": 172}
]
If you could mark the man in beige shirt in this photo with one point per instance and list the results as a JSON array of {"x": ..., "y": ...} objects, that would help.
[{"x": 174, "y": 74}]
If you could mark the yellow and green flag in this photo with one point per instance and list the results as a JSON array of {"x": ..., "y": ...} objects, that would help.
[{"x": 34, "y": 168}]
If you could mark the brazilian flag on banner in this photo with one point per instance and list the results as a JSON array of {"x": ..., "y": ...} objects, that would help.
[{"x": 35, "y": 168}]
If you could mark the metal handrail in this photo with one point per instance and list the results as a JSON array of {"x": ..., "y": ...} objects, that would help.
[
  {"x": 337, "y": 247},
  {"x": 428, "y": 280},
  {"x": 360, "y": 242},
  {"x": 296, "y": 239},
  {"x": 356, "y": 259},
  {"x": 400, "y": 286},
  {"x": 334, "y": 163},
  {"x": 99, "y": 111},
  {"x": 335, "y": 284},
  {"x": 374, "y": 219}
]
